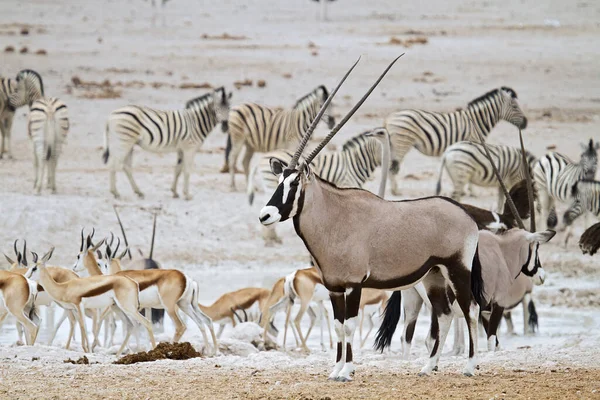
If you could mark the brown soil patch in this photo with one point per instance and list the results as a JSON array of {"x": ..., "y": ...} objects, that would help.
[
  {"x": 82, "y": 360},
  {"x": 172, "y": 351}
]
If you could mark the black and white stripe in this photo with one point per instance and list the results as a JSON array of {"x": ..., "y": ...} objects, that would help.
[
  {"x": 555, "y": 174},
  {"x": 432, "y": 133},
  {"x": 586, "y": 196},
  {"x": 47, "y": 125},
  {"x": 14, "y": 93},
  {"x": 352, "y": 166},
  {"x": 158, "y": 131},
  {"x": 259, "y": 128},
  {"x": 467, "y": 163}
]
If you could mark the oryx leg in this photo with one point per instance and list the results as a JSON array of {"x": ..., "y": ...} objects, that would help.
[
  {"x": 495, "y": 318},
  {"x": 178, "y": 169},
  {"x": 128, "y": 168},
  {"x": 441, "y": 318},
  {"x": 510, "y": 327},
  {"x": 412, "y": 306},
  {"x": 338, "y": 302},
  {"x": 351, "y": 317}
]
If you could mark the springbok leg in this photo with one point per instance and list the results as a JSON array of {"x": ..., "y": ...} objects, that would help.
[
  {"x": 352, "y": 307},
  {"x": 495, "y": 319},
  {"x": 339, "y": 311}
]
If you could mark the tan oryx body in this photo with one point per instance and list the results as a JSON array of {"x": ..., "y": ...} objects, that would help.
[
  {"x": 223, "y": 310},
  {"x": 17, "y": 295},
  {"x": 97, "y": 292},
  {"x": 359, "y": 240}
]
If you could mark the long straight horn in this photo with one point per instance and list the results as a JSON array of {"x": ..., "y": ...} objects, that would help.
[
  {"x": 529, "y": 185},
  {"x": 349, "y": 115},
  {"x": 24, "y": 260},
  {"x": 153, "y": 235},
  {"x": 122, "y": 230},
  {"x": 511, "y": 204},
  {"x": 315, "y": 121}
]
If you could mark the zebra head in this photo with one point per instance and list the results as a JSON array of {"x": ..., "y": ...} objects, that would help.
[
  {"x": 313, "y": 102},
  {"x": 222, "y": 106},
  {"x": 589, "y": 159},
  {"x": 510, "y": 109},
  {"x": 30, "y": 87}
]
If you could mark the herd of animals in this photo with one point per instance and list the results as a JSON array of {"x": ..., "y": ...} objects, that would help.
[{"x": 457, "y": 259}]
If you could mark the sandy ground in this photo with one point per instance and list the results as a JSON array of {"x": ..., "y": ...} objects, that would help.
[{"x": 547, "y": 52}]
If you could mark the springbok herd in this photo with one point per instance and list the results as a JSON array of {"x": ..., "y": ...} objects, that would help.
[{"x": 459, "y": 260}]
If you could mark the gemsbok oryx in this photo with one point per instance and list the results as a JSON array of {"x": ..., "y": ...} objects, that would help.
[
  {"x": 358, "y": 240},
  {"x": 97, "y": 292},
  {"x": 158, "y": 131},
  {"x": 432, "y": 132}
]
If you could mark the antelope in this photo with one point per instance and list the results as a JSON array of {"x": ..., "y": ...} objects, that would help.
[
  {"x": 117, "y": 292},
  {"x": 164, "y": 288},
  {"x": 359, "y": 240},
  {"x": 370, "y": 297},
  {"x": 17, "y": 298},
  {"x": 224, "y": 308}
]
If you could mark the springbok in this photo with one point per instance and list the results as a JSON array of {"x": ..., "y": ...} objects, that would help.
[
  {"x": 117, "y": 292},
  {"x": 17, "y": 297},
  {"x": 170, "y": 289},
  {"x": 223, "y": 310},
  {"x": 370, "y": 297},
  {"x": 359, "y": 240}
]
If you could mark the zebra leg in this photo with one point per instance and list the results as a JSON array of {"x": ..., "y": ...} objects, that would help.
[
  {"x": 545, "y": 202},
  {"x": 246, "y": 161},
  {"x": 236, "y": 148},
  {"x": 188, "y": 165},
  {"x": 178, "y": 168},
  {"x": 52, "y": 174},
  {"x": 40, "y": 165},
  {"x": 127, "y": 166},
  {"x": 35, "y": 169},
  {"x": 225, "y": 167},
  {"x": 8, "y": 120}
]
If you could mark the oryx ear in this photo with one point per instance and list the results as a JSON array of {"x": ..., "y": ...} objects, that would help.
[
  {"x": 308, "y": 172},
  {"x": 277, "y": 165},
  {"x": 541, "y": 237},
  {"x": 97, "y": 246},
  {"x": 11, "y": 262},
  {"x": 48, "y": 255}
]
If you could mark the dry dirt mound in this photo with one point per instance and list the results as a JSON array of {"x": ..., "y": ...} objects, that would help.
[{"x": 172, "y": 351}]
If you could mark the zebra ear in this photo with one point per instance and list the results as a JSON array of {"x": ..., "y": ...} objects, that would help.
[{"x": 277, "y": 165}]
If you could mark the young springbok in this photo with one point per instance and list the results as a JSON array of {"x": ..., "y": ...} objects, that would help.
[
  {"x": 223, "y": 310},
  {"x": 17, "y": 296},
  {"x": 165, "y": 288},
  {"x": 358, "y": 240},
  {"x": 118, "y": 292}
]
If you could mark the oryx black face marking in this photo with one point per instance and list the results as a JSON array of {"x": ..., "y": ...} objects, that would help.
[{"x": 284, "y": 202}]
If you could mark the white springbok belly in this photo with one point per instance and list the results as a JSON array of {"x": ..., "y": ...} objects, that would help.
[
  {"x": 101, "y": 301},
  {"x": 149, "y": 297}
]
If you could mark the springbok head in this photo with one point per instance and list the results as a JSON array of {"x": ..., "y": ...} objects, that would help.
[
  {"x": 111, "y": 255},
  {"x": 288, "y": 198},
  {"x": 589, "y": 158},
  {"x": 21, "y": 258},
  {"x": 511, "y": 110},
  {"x": 86, "y": 249},
  {"x": 34, "y": 271}
]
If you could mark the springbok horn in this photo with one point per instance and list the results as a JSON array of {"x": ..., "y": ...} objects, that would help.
[
  {"x": 112, "y": 238},
  {"x": 82, "y": 240},
  {"x": 93, "y": 231},
  {"x": 245, "y": 315},
  {"x": 11, "y": 262},
  {"x": 35, "y": 257},
  {"x": 15, "y": 247},
  {"x": 117, "y": 248},
  {"x": 24, "y": 260},
  {"x": 236, "y": 314},
  {"x": 315, "y": 121},
  {"x": 511, "y": 205},
  {"x": 349, "y": 115},
  {"x": 122, "y": 229},
  {"x": 529, "y": 186}
]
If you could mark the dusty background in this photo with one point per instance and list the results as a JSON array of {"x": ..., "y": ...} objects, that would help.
[{"x": 105, "y": 54}]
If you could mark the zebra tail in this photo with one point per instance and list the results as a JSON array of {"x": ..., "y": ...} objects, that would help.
[
  {"x": 106, "y": 153},
  {"x": 390, "y": 322},
  {"x": 533, "y": 317},
  {"x": 438, "y": 187},
  {"x": 250, "y": 187},
  {"x": 50, "y": 137}
]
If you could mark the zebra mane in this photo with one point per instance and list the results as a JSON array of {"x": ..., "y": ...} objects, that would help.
[
  {"x": 354, "y": 141},
  {"x": 196, "y": 101},
  {"x": 312, "y": 93},
  {"x": 492, "y": 93},
  {"x": 26, "y": 72}
]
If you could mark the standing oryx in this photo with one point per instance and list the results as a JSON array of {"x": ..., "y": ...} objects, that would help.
[
  {"x": 358, "y": 240},
  {"x": 260, "y": 129},
  {"x": 432, "y": 132},
  {"x": 467, "y": 163},
  {"x": 350, "y": 167},
  {"x": 181, "y": 131},
  {"x": 15, "y": 93},
  {"x": 47, "y": 126},
  {"x": 555, "y": 174}
]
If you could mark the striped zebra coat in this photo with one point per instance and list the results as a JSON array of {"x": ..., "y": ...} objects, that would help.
[
  {"x": 15, "y": 93},
  {"x": 258, "y": 128},
  {"x": 466, "y": 163},
  {"x": 158, "y": 131},
  {"x": 432, "y": 133},
  {"x": 47, "y": 126},
  {"x": 586, "y": 197},
  {"x": 349, "y": 167},
  {"x": 555, "y": 174}
]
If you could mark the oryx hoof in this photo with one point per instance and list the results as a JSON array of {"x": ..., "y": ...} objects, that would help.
[
  {"x": 468, "y": 373},
  {"x": 422, "y": 373},
  {"x": 435, "y": 369}
]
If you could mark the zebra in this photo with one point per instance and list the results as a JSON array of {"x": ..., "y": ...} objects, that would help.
[
  {"x": 181, "y": 131},
  {"x": 467, "y": 163},
  {"x": 349, "y": 167},
  {"x": 261, "y": 129},
  {"x": 586, "y": 197},
  {"x": 555, "y": 174},
  {"x": 432, "y": 132},
  {"x": 47, "y": 126},
  {"x": 14, "y": 93}
]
